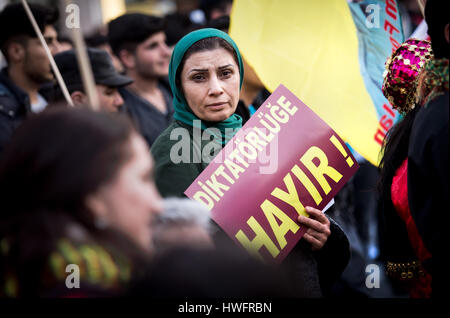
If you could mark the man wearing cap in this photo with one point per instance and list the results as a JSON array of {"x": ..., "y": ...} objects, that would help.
[
  {"x": 139, "y": 41},
  {"x": 28, "y": 65},
  {"x": 107, "y": 79}
]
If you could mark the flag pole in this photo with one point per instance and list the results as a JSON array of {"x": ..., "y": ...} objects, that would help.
[
  {"x": 85, "y": 66},
  {"x": 49, "y": 54}
]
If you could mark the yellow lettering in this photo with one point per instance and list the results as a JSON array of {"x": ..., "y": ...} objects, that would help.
[
  {"x": 202, "y": 197},
  {"x": 320, "y": 170},
  {"x": 235, "y": 155},
  {"x": 290, "y": 197},
  {"x": 220, "y": 172},
  {"x": 255, "y": 141},
  {"x": 234, "y": 168},
  {"x": 271, "y": 210},
  {"x": 261, "y": 239},
  {"x": 217, "y": 186},
  {"x": 307, "y": 183},
  {"x": 282, "y": 116},
  {"x": 286, "y": 104}
]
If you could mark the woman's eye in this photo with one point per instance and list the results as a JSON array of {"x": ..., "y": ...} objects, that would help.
[
  {"x": 198, "y": 77},
  {"x": 226, "y": 73}
]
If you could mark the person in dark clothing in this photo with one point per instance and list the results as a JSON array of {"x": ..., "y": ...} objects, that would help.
[
  {"x": 402, "y": 249},
  {"x": 138, "y": 40},
  {"x": 428, "y": 149},
  {"x": 428, "y": 182},
  {"x": 28, "y": 66},
  {"x": 107, "y": 79}
]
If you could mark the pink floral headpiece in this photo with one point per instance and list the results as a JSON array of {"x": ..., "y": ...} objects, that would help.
[{"x": 402, "y": 70}]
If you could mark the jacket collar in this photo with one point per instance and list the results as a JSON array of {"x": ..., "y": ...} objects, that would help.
[{"x": 12, "y": 88}]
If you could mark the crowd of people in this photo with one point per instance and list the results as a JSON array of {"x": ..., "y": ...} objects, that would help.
[{"x": 100, "y": 189}]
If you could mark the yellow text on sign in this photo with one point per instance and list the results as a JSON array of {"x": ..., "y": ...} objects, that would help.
[{"x": 280, "y": 223}]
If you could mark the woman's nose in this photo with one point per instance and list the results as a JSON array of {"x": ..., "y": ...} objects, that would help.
[{"x": 215, "y": 86}]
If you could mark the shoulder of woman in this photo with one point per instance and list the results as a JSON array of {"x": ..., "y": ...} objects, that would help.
[
  {"x": 172, "y": 135},
  {"x": 173, "y": 178},
  {"x": 90, "y": 262}
]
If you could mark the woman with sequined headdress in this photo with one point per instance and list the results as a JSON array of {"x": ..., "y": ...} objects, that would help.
[{"x": 402, "y": 247}]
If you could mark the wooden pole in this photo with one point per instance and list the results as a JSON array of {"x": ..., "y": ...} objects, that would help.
[
  {"x": 49, "y": 54},
  {"x": 85, "y": 66}
]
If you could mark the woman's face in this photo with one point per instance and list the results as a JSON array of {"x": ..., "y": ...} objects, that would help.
[
  {"x": 131, "y": 200},
  {"x": 210, "y": 83}
]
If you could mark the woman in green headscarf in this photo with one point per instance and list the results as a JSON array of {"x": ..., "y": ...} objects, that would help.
[{"x": 205, "y": 74}]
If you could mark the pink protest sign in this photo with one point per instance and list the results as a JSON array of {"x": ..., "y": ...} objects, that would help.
[{"x": 283, "y": 159}]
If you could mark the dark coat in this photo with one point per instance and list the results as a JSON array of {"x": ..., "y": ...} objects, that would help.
[
  {"x": 428, "y": 189},
  {"x": 14, "y": 107},
  {"x": 243, "y": 111},
  {"x": 149, "y": 121},
  {"x": 173, "y": 179}
]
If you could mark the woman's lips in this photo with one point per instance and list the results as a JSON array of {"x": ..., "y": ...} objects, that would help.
[{"x": 216, "y": 105}]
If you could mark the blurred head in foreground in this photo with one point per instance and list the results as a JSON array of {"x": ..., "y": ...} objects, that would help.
[{"x": 73, "y": 177}]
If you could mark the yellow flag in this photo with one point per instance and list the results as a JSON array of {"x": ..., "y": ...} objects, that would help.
[{"x": 311, "y": 47}]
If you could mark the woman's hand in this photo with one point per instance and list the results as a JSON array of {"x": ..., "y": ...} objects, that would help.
[{"x": 318, "y": 227}]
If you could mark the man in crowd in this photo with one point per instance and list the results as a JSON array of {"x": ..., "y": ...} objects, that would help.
[
  {"x": 140, "y": 43},
  {"x": 28, "y": 66},
  {"x": 99, "y": 40},
  {"x": 107, "y": 79}
]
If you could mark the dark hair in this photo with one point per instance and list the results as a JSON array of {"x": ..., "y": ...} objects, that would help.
[
  {"x": 207, "y": 6},
  {"x": 14, "y": 23},
  {"x": 52, "y": 163},
  {"x": 128, "y": 30},
  {"x": 436, "y": 16},
  {"x": 206, "y": 44},
  {"x": 394, "y": 242},
  {"x": 177, "y": 26},
  {"x": 97, "y": 39},
  {"x": 395, "y": 151},
  {"x": 222, "y": 23},
  {"x": 65, "y": 39},
  {"x": 55, "y": 159}
]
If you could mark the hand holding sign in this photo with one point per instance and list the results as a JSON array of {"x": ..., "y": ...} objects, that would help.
[{"x": 318, "y": 227}]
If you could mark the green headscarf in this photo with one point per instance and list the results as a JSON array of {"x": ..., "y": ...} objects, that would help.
[{"x": 183, "y": 112}]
